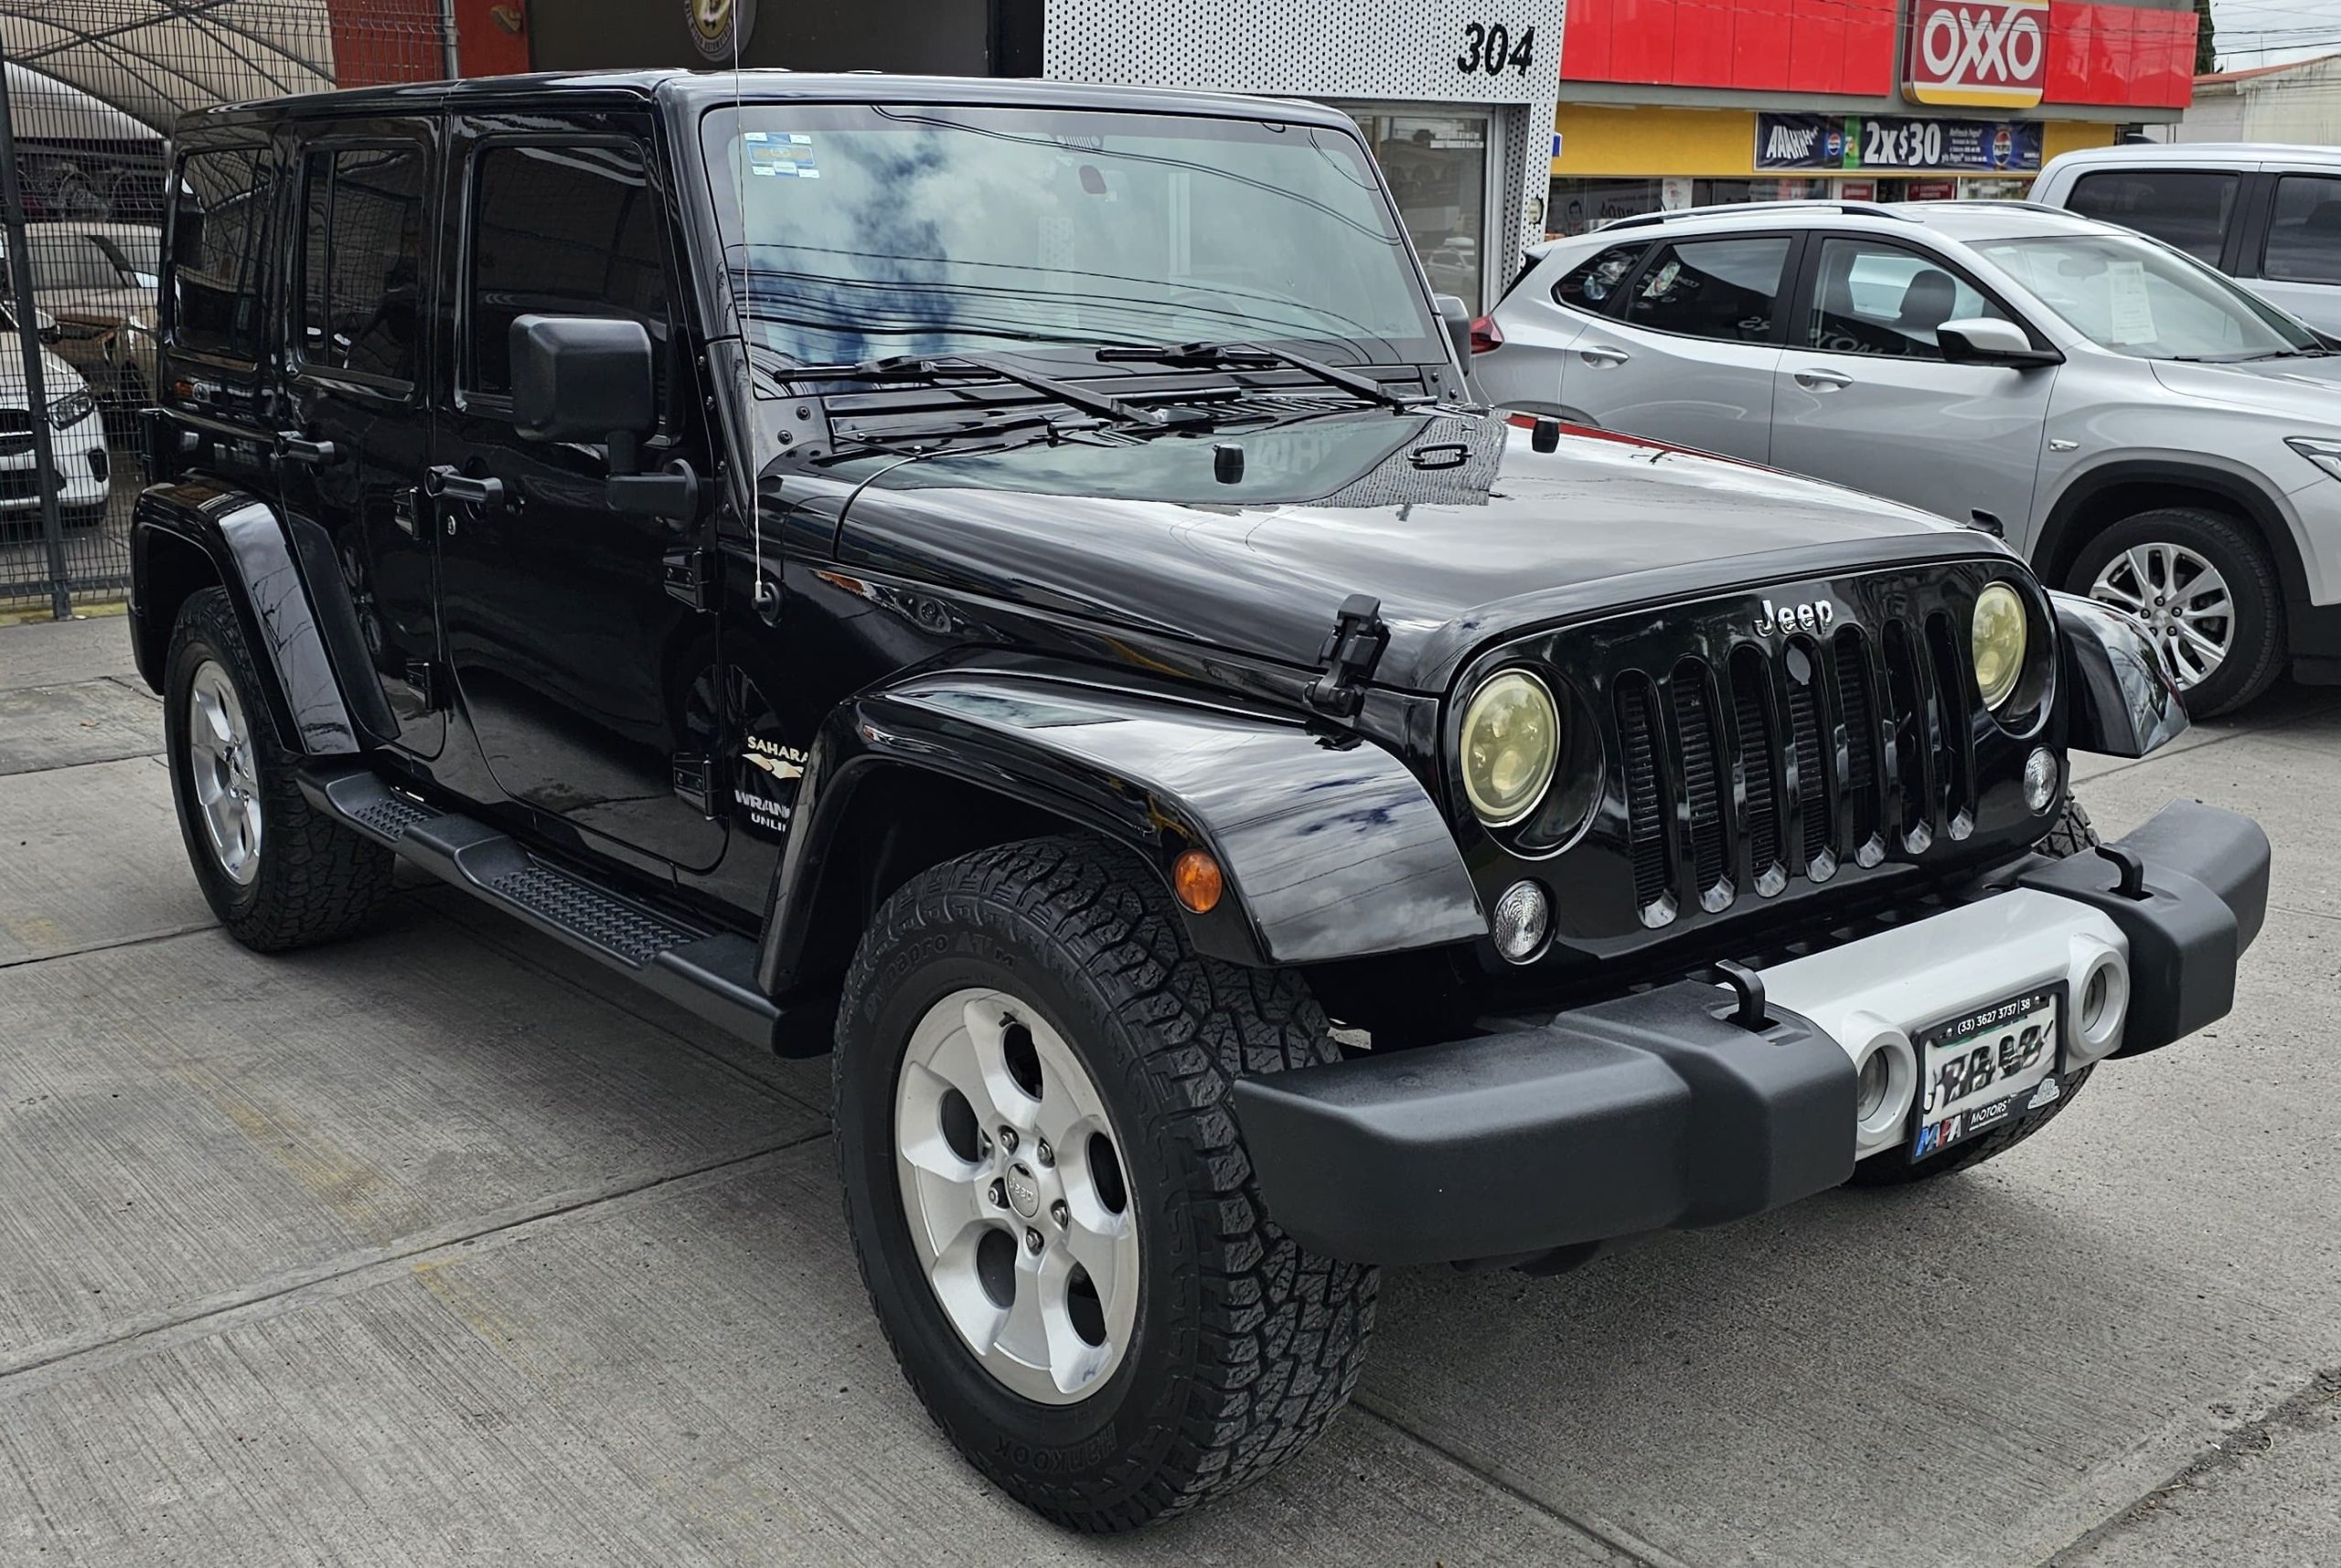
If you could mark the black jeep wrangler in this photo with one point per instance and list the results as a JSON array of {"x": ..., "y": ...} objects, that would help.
[{"x": 1005, "y": 581}]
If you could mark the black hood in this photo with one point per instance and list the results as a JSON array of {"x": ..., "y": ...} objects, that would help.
[{"x": 1462, "y": 531}]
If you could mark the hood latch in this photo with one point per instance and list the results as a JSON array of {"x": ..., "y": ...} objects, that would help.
[{"x": 1349, "y": 654}]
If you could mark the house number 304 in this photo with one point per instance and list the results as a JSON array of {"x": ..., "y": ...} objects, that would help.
[{"x": 1493, "y": 49}]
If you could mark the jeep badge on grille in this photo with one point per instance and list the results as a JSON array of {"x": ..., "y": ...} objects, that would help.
[{"x": 1816, "y": 617}]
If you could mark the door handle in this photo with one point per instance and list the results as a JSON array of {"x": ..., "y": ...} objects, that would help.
[
  {"x": 1822, "y": 380},
  {"x": 1602, "y": 354},
  {"x": 294, "y": 447},
  {"x": 446, "y": 484}
]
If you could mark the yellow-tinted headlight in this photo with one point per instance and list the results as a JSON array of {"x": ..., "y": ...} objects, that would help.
[
  {"x": 2000, "y": 636},
  {"x": 1511, "y": 739}
]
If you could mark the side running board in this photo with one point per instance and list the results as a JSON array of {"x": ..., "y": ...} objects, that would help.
[{"x": 712, "y": 972}]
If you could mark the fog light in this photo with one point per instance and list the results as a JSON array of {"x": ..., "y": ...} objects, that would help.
[
  {"x": 1524, "y": 916},
  {"x": 2040, "y": 779},
  {"x": 1877, "y": 1072}
]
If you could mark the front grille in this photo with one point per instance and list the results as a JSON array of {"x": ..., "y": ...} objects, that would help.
[{"x": 1841, "y": 749}]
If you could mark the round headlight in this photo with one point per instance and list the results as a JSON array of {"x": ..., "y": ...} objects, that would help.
[
  {"x": 1511, "y": 739},
  {"x": 2000, "y": 636}
]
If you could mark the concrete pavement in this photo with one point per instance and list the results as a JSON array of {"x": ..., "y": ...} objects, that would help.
[{"x": 441, "y": 1247}]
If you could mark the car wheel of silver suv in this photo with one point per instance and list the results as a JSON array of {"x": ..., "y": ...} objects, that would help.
[{"x": 2205, "y": 592}]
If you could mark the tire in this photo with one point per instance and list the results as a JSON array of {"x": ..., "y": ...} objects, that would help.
[
  {"x": 2254, "y": 634},
  {"x": 2072, "y": 835},
  {"x": 1234, "y": 1347},
  {"x": 299, "y": 878}
]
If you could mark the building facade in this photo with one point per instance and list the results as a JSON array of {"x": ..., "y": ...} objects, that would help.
[{"x": 1498, "y": 122}]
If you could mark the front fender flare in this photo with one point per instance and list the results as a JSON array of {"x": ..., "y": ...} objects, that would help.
[
  {"x": 2121, "y": 701},
  {"x": 1330, "y": 848}
]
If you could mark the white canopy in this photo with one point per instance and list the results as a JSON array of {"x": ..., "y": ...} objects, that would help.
[{"x": 145, "y": 62}]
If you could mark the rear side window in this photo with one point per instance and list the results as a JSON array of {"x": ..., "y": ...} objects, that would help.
[
  {"x": 1723, "y": 289},
  {"x": 569, "y": 230},
  {"x": 2304, "y": 230},
  {"x": 361, "y": 260},
  {"x": 219, "y": 205},
  {"x": 2186, "y": 207},
  {"x": 1591, "y": 285}
]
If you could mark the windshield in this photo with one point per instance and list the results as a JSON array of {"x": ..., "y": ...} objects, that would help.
[
  {"x": 2136, "y": 297},
  {"x": 859, "y": 230},
  {"x": 90, "y": 261}
]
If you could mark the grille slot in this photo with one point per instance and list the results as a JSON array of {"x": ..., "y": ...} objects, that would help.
[
  {"x": 1646, "y": 829},
  {"x": 1695, "y": 729},
  {"x": 1759, "y": 760},
  {"x": 1878, "y": 729}
]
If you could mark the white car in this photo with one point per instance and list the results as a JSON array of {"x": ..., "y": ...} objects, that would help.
[
  {"x": 2268, "y": 216},
  {"x": 2144, "y": 429},
  {"x": 77, "y": 439}
]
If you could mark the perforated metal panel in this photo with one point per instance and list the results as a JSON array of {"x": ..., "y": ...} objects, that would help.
[{"x": 1332, "y": 50}]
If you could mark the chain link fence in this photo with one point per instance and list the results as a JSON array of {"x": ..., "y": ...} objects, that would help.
[{"x": 91, "y": 91}]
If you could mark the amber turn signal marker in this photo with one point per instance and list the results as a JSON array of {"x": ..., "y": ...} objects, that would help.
[{"x": 1195, "y": 876}]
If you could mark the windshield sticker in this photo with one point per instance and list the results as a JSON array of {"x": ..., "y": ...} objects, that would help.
[
  {"x": 2131, "y": 318},
  {"x": 780, "y": 154}
]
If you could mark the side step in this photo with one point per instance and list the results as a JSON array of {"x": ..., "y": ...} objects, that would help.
[{"x": 710, "y": 972}]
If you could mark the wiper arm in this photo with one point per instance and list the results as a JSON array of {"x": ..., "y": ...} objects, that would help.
[
  {"x": 1234, "y": 354},
  {"x": 904, "y": 366}
]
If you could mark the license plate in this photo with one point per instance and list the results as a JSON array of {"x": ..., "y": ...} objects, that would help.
[{"x": 1980, "y": 1069}]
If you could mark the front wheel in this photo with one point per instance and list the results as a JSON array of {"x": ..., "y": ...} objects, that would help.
[
  {"x": 1054, "y": 1209},
  {"x": 2206, "y": 593}
]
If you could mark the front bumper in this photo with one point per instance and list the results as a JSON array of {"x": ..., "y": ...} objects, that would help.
[{"x": 1544, "y": 1138}]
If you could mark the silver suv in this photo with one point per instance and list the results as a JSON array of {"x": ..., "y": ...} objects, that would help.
[
  {"x": 2142, "y": 429},
  {"x": 2267, "y": 215}
]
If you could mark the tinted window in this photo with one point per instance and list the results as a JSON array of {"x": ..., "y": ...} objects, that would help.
[
  {"x": 1590, "y": 285},
  {"x": 1712, "y": 288},
  {"x": 218, "y": 229},
  {"x": 1874, "y": 298},
  {"x": 361, "y": 259},
  {"x": 2188, "y": 209},
  {"x": 2305, "y": 231},
  {"x": 560, "y": 232}
]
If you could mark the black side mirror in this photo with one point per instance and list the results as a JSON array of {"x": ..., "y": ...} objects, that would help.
[
  {"x": 1458, "y": 317},
  {"x": 581, "y": 379},
  {"x": 1983, "y": 341}
]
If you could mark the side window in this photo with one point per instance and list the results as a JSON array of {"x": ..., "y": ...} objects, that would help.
[
  {"x": 1723, "y": 289},
  {"x": 1871, "y": 297},
  {"x": 2185, "y": 208},
  {"x": 361, "y": 260},
  {"x": 218, "y": 233},
  {"x": 1590, "y": 285},
  {"x": 570, "y": 231},
  {"x": 2304, "y": 230}
]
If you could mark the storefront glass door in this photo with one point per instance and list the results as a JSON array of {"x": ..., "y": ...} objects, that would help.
[{"x": 1438, "y": 164}]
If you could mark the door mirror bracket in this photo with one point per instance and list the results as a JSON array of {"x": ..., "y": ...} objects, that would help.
[
  {"x": 1979, "y": 340},
  {"x": 672, "y": 493}
]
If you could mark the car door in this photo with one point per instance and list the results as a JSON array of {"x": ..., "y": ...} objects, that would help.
[
  {"x": 584, "y": 679},
  {"x": 1688, "y": 354},
  {"x": 1540, "y": 321},
  {"x": 2296, "y": 265},
  {"x": 357, "y": 429},
  {"x": 1863, "y": 396}
]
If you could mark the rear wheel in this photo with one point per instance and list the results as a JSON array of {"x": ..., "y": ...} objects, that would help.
[
  {"x": 1054, "y": 1211},
  {"x": 2072, "y": 835},
  {"x": 2205, "y": 592},
  {"x": 276, "y": 871}
]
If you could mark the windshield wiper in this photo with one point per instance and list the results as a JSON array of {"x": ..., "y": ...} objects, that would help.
[
  {"x": 900, "y": 366},
  {"x": 1234, "y": 355}
]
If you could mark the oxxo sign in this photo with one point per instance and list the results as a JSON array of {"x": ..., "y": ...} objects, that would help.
[{"x": 1979, "y": 51}]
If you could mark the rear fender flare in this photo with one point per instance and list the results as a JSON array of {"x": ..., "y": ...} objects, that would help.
[
  {"x": 251, "y": 556},
  {"x": 1329, "y": 848}
]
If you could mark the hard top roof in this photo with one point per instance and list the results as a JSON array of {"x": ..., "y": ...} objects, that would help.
[{"x": 715, "y": 89}]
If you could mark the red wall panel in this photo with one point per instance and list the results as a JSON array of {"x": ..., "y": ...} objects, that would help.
[
  {"x": 2120, "y": 55},
  {"x": 1585, "y": 42},
  {"x": 1761, "y": 45},
  {"x": 378, "y": 41},
  {"x": 1870, "y": 58}
]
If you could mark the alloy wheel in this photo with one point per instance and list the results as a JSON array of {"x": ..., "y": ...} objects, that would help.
[
  {"x": 1012, "y": 1183},
  {"x": 221, "y": 769},
  {"x": 2182, "y": 600}
]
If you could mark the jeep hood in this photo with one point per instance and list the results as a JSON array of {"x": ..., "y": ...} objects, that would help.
[{"x": 1462, "y": 530}]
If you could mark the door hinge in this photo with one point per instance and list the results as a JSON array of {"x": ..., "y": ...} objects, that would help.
[
  {"x": 1349, "y": 654},
  {"x": 691, "y": 577},
  {"x": 695, "y": 783}
]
